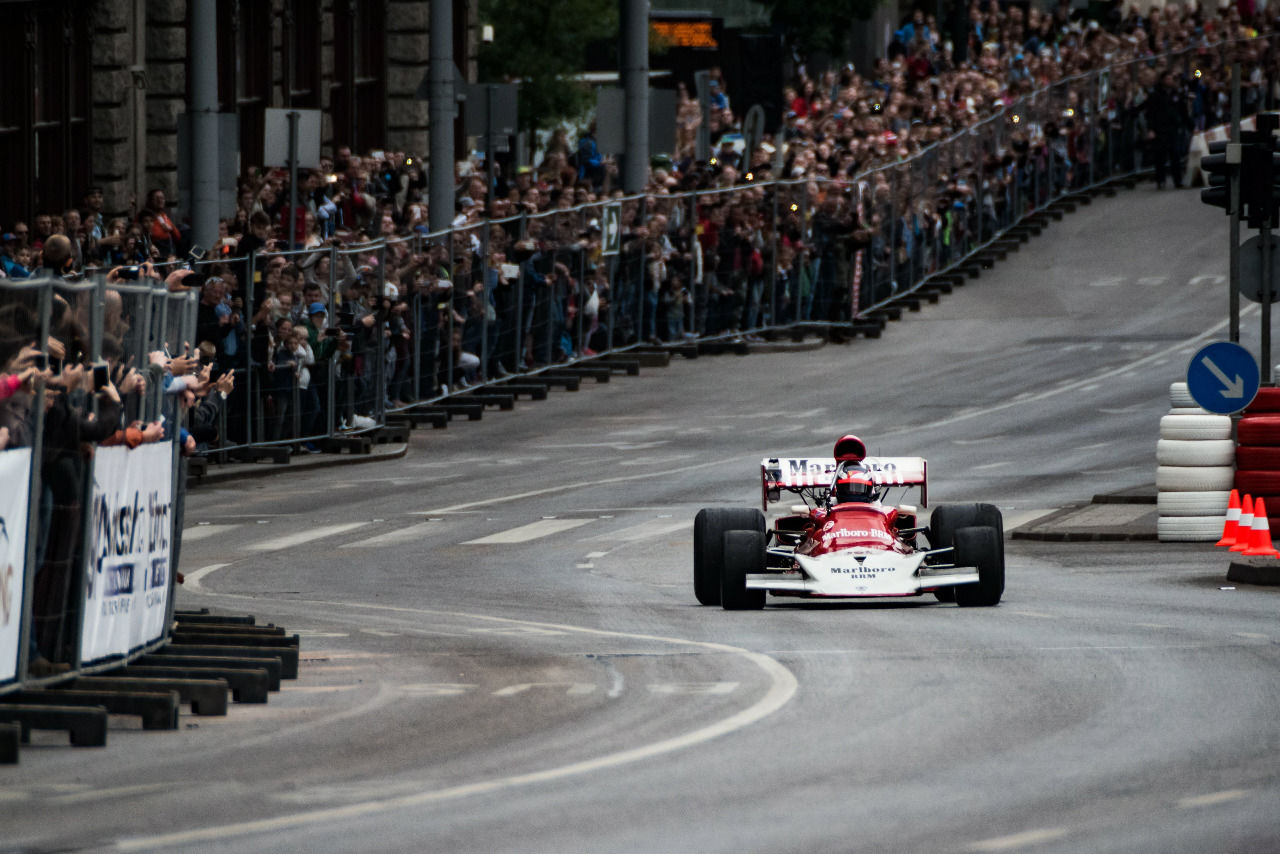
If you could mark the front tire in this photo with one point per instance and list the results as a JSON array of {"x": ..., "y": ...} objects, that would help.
[
  {"x": 743, "y": 554},
  {"x": 709, "y": 528},
  {"x": 983, "y": 548}
]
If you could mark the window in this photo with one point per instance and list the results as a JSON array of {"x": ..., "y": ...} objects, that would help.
[
  {"x": 46, "y": 149},
  {"x": 302, "y": 44},
  {"x": 358, "y": 97},
  {"x": 244, "y": 69}
]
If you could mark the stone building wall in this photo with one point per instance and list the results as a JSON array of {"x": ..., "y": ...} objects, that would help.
[
  {"x": 166, "y": 28},
  {"x": 114, "y": 96},
  {"x": 408, "y": 37}
]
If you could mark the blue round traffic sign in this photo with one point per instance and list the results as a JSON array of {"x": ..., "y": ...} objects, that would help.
[{"x": 1223, "y": 377}]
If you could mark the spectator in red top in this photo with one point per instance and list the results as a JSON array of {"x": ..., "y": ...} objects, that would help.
[{"x": 164, "y": 234}]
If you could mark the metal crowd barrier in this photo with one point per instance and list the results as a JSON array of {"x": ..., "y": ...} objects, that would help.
[
  {"x": 89, "y": 527},
  {"x": 411, "y": 322}
]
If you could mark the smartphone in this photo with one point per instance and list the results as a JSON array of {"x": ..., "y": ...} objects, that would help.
[
  {"x": 41, "y": 361},
  {"x": 197, "y": 253},
  {"x": 100, "y": 377},
  {"x": 128, "y": 274}
]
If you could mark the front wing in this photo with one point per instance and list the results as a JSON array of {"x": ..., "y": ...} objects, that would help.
[{"x": 859, "y": 573}]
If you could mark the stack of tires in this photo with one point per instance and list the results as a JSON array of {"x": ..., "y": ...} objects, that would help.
[
  {"x": 1258, "y": 453},
  {"x": 1195, "y": 470}
]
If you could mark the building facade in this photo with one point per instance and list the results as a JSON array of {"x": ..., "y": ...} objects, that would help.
[{"x": 95, "y": 89}]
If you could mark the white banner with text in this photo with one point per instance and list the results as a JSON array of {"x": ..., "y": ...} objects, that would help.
[
  {"x": 15, "y": 480},
  {"x": 127, "y": 571}
]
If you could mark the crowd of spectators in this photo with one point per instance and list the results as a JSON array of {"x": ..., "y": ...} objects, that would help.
[{"x": 350, "y": 306}]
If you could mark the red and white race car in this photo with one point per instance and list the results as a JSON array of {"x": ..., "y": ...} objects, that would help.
[{"x": 844, "y": 542}]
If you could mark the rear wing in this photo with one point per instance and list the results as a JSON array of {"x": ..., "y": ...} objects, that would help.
[{"x": 798, "y": 473}]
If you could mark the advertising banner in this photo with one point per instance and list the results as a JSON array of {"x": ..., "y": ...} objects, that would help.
[
  {"x": 127, "y": 571},
  {"x": 15, "y": 474}
]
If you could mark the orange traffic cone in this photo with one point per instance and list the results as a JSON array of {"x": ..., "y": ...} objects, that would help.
[
  {"x": 1261, "y": 545},
  {"x": 1244, "y": 533},
  {"x": 1230, "y": 528}
]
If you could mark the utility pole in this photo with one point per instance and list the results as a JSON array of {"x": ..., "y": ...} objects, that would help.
[
  {"x": 204, "y": 122},
  {"x": 440, "y": 112},
  {"x": 634, "y": 16}
]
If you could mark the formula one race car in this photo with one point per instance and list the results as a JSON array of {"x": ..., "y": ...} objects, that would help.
[{"x": 843, "y": 542}]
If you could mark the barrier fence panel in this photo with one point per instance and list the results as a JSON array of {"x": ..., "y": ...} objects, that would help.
[
  {"x": 86, "y": 540},
  {"x": 24, "y": 320}
]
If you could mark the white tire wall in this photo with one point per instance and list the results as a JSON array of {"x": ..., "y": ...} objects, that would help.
[
  {"x": 1194, "y": 478},
  {"x": 1206, "y": 452},
  {"x": 1195, "y": 427},
  {"x": 1210, "y": 503},
  {"x": 1189, "y": 529},
  {"x": 1180, "y": 396},
  {"x": 1195, "y": 457}
]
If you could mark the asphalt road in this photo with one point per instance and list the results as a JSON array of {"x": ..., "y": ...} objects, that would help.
[{"x": 502, "y": 652}]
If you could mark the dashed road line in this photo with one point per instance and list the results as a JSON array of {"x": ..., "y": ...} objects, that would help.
[
  {"x": 299, "y": 538},
  {"x": 1017, "y": 840},
  {"x": 396, "y": 537},
  {"x": 204, "y": 532},
  {"x": 1212, "y": 799},
  {"x": 532, "y": 531}
]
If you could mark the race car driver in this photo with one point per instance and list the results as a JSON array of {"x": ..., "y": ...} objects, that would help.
[{"x": 853, "y": 483}]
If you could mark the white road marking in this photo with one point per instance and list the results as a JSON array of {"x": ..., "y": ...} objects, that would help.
[
  {"x": 575, "y": 689},
  {"x": 693, "y": 687},
  {"x": 204, "y": 532},
  {"x": 532, "y": 531},
  {"x": 1253, "y": 636},
  {"x": 300, "y": 537},
  {"x": 1212, "y": 799},
  {"x": 645, "y": 530},
  {"x": 436, "y": 689},
  {"x": 1013, "y": 521},
  {"x": 564, "y": 487},
  {"x": 1095, "y": 381},
  {"x": 594, "y": 555},
  {"x": 400, "y": 535},
  {"x": 782, "y": 687},
  {"x": 114, "y": 792},
  {"x": 1018, "y": 840},
  {"x": 986, "y": 466},
  {"x": 191, "y": 580}
]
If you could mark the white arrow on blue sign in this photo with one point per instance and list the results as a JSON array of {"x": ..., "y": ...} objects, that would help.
[{"x": 1223, "y": 377}]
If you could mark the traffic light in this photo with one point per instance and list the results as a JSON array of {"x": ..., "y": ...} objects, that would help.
[
  {"x": 1258, "y": 192},
  {"x": 1222, "y": 161}
]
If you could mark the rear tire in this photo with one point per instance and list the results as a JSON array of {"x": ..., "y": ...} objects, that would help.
[
  {"x": 983, "y": 548},
  {"x": 743, "y": 554},
  {"x": 709, "y": 528}
]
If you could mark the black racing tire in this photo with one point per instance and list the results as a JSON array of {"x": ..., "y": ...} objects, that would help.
[
  {"x": 946, "y": 519},
  {"x": 981, "y": 547},
  {"x": 743, "y": 554},
  {"x": 709, "y": 528}
]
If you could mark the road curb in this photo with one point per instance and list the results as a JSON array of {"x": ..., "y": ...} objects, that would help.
[{"x": 244, "y": 471}]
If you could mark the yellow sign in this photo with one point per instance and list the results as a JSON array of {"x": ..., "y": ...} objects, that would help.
[{"x": 685, "y": 33}]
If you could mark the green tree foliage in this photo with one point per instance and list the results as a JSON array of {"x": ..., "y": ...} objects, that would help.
[
  {"x": 810, "y": 27},
  {"x": 541, "y": 43}
]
